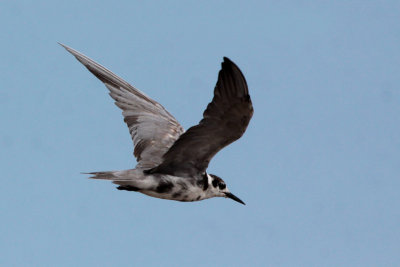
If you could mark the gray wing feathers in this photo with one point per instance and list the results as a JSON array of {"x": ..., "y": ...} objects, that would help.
[
  {"x": 224, "y": 121},
  {"x": 152, "y": 133},
  {"x": 153, "y": 129}
]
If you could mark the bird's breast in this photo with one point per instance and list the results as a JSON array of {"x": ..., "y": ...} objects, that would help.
[{"x": 177, "y": 188}]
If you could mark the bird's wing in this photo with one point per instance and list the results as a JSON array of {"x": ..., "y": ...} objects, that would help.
[
  {"x": 224, "y": 121},
  {"x": 152, "y": 127}
]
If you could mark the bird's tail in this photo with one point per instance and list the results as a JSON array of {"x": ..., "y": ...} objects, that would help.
[
  {"x": 124, "y": 183},
  {"x": 112, "y": 175},
  {"x": 118, "y": 176},
  {"x": 131, "y": 180}
]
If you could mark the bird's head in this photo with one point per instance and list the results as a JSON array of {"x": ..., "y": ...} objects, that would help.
[{"x": 218, "y": 188}]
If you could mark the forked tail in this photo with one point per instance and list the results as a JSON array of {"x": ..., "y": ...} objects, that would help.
[
  {"x": 130, "y": 180},
  {"x": 103, "y": 175},
  {"x": 118, "y": 176}
]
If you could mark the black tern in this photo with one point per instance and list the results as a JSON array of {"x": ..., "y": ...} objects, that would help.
[{"x": 172, "y": 162}]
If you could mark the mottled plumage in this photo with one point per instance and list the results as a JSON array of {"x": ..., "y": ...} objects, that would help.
[{"x": 172, "y": 163}]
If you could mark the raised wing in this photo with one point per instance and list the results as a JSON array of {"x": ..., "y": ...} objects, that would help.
[
  {"x": 224, "y": 121},
  {"x": 152, "y": 127}
]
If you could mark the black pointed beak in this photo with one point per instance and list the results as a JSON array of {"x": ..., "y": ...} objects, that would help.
[{"x": 232, "y": 196}]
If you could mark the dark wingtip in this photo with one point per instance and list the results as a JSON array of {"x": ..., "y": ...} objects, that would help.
[
  {"x": 227, "y": 63},
  {"x": 228, "y": 66},
  {"x": 226, "y": 59}
]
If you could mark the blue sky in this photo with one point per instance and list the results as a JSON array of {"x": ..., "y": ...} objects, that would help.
[{"x": 319, "y": 166}]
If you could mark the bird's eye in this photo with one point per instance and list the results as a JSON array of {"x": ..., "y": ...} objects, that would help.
[
  {"x": 215, "y": 183},
  {"x": 222, "y": 186}
]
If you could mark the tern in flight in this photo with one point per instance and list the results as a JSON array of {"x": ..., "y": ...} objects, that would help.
[{"x": 172, "y": 162}]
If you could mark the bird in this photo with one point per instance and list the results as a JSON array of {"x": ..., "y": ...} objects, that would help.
[{"x": 171, "y": 162}]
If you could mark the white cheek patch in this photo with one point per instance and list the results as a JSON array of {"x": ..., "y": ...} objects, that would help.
[{"x": 209, "y": 178}]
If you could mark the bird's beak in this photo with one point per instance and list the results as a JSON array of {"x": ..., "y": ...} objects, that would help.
[{"x": 232, "y": 196}]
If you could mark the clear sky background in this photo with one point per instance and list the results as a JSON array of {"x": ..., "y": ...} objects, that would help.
[{"x": 319, "y": 166}]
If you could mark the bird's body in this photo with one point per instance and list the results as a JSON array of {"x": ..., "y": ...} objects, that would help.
[
  {"x": 172, "y": 163},
  {"x": 160, "y": 185}
]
